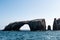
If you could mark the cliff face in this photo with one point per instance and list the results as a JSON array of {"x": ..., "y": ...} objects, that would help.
[
  {"x": 56, "y": 24},
  {"x": 37, "y": 24}
]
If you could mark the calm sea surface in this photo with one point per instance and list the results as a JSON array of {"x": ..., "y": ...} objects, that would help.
[{"x": 29, "y": 35}]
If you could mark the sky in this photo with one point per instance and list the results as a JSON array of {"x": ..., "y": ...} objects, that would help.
[{"x": 20, "y": 10}]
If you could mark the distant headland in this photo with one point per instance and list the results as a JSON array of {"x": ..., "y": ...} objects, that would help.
[{"x": 35, "y": 25}]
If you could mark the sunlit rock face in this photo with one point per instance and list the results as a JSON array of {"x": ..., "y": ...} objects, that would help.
[
  {"x": 35, "y": 25},
  {"x": 56, "y": 24}
]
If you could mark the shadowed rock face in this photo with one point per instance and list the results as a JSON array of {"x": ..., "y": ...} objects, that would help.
[
  {"x": 37, "y": 24},
  {"x": 56, "y": 24}
]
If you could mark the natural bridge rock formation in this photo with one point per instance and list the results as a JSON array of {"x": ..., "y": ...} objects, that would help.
[
  {"x": 35, "y": 25},
  {"x": 56, "y": 24}
]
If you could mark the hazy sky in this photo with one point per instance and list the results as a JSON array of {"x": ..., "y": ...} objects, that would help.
[{"x": 18, "y": 10}]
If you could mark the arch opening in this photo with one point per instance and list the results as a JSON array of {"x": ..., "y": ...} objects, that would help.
[{"x": 25, "y": 27}]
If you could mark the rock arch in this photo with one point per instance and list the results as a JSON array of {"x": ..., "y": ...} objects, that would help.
[
  {"x": 25, "y": 27},
  {"x": 37, "y": 24}
]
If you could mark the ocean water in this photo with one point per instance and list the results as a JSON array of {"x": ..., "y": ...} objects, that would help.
[{"x": 29, "y": 35}]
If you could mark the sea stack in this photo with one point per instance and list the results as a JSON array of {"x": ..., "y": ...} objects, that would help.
[
  {"x": 56, "y": 24},
  {"x": 49, "y": 27}
]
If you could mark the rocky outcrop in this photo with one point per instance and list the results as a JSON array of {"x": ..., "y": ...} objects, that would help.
[
  {"x": 49, "y": 27},
  {"x": 35, "y": 25},
  {"x": 56, "y": 24}
]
